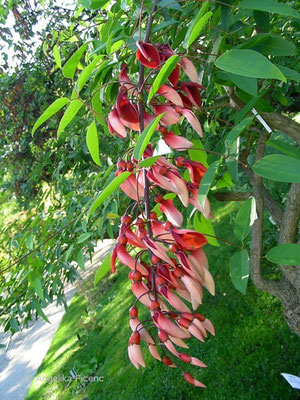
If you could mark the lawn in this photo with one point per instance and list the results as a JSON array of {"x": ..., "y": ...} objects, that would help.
[{"x": 252, "y": 347}]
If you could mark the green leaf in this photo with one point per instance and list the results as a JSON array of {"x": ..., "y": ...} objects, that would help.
[
  {"x": 39, "y": 310},
  {"x": 148, "y": 162},
  {"x": 70, "y": 66},
  {"x": 30, "y": 241},
  {"x": 248, "y": 63},
  {"x": 269, "y": 6},
  {"x": 239, "y": 270},
  {"x": 92, "y": 142},
  {"x": 285, "y": 254},
  {"x": 205, "y": 6},
  {"x": 85, "y": 74},
  {"x": 69, "y": 114},
  {"x": 198, "y": 155},
  {"x": 102, "y": 270},
  {"x": 56, "y": 56},
  {"x": 14, "y": 324},
  {"x": 51, "y": 110},
  {"x": 169, "y": 4},
  {"x": 245, "y": 218},
  {"x": 83, "y": 237},
  {"x": 285, "y": 148},
  {"x": 35, "y": 281},
  {"x": 204, "y": 226},
  {"x": 247, "y": 84},
  {"x": 68, "y": 253},
  {"x": 270, "y": 45},
  {"x": 145, "y": 137},
  {"x": 80, "y": 259},
  {"x": 262, "y": 20},
  {"x": 108, "y": 191},
  {"x": 237, "y": 130},
  {"x": 206, "y": 182},
  {"x": 197, "y": 26},
  {"x": 163, "y": 75},
  {"x": 289, "y": 73},
  {"x": 278, "y": 168}
]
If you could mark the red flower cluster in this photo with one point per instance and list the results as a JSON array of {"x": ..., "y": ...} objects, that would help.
[{"x": 169, "y": 265}]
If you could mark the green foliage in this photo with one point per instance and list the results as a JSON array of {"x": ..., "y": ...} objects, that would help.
[
  {"x": 287, "y": 168},
  {"x": 248, "y": 47},
  {"x": 287, "y": 254},
  {"x": 239, "y": 270}
]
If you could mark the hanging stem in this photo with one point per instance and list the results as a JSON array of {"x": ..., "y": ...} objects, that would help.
[{"x": 141, "y": 122}]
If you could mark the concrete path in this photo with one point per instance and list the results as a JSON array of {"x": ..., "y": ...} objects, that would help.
[{"x": 28, "y": 348}]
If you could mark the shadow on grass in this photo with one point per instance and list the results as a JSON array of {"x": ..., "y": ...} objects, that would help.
[{"x": 252, "y": 347}]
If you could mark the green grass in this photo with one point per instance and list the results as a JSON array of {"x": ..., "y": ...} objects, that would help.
[{"x": 252, "y": 347}]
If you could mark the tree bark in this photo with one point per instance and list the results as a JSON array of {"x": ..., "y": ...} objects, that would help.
[{"x": 287, "y": 290}]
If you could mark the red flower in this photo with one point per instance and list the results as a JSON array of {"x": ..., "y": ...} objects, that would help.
[
  {"x": 191, "y": 89},
  {"x": 147, "y": 54},
  {"x": 188, "y": 239}
]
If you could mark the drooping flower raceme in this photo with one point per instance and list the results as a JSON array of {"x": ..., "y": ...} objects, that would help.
[{"x": 168, "y": 267}]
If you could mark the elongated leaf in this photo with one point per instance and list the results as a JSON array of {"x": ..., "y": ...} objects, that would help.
[
  {"x": 269, "y": 6},
  {"x": 39, "y": 310},
  {"x": 237, "y": 131},
  {"x": 80, "y": 259},
  {"x": 270, "y": 45},
  {"x": 245, "y": 218},
  {"x": 51, "y": 110},
  {"x": 35, "y": 281},
  {"x": 206, "y": 182},
  {"x": 198, "y": 155},
  {"x": 278, "y": 168},
  {"x": 92, "y": 142},
  {"x": 239, "y": 270},
  {"x": 56, "y": 56},
  {"x": 108, "y": 191},
  {"x": 83, "y": 237},
  {"x": 248, "y": 63},
  {"x": 285, "y": 254},
  {"x": 248, "y": 85},
  {"x": 198, "y": 25},
  {"x": 163, "y": 75},
  {"x": 69, "y": 114},
  {"x": 285, "y": 148},
  {"x": 203, "y": 225},
  {"x": 103, "y": 270},
  {"x": 145, "y": 137},
  {"x": 70, "y": 66},
  {"x": 148, "y": 162},
  {"x": 204, "y": 8},
  {"x": 169, "y": 4},
  {"x": 289, "y": 73},
  {"x": 85, "y": 74}
]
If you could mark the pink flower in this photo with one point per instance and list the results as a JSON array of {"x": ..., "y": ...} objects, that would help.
[
  {"x": 189, "y": 69},
  {"x": 190, "y": 379},
  {"x": 177, "y": 142},
  {"x": 170, "y": 211},
  {"x": 134, "y": 351},
  {"x": 128, "y": 260},
  {"x": 115, "y": 125},
  {"x": 170, "y": 94},
  {"x": 132, "y": 187},
  {"x": 170, "y": 118}
]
